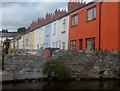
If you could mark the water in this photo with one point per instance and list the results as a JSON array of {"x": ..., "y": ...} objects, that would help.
[{"x": 65, "y": 85}]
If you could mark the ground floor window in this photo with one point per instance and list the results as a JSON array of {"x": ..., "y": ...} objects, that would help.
[
  {"x": 90, "y": 43},
  {"x": 63, "y": 45},
  {"x": 73, "y": 44},
  {"x": 56, "y": 44}
]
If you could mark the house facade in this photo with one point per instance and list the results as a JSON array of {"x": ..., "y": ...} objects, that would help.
[
  {"x": 39, "y": 37},
  {"x": 95, "y": 26},
  {"x": 47, "y": 36},
  {"x": 63, "y": 35},
  {"x": 59, "y": 33},
  {"x": 32, "y": 39}
]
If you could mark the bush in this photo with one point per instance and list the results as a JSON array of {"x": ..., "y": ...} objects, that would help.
[{"x": 56, "y": 69}]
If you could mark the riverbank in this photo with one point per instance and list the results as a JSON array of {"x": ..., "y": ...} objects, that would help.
[{"x": 83, "y": 65}]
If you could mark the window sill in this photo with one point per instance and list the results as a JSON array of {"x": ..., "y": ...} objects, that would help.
[
  {"x": 74, "y": 25},
  {"x": 63, "y": 32},
  {"x": 91, "y": 20}
]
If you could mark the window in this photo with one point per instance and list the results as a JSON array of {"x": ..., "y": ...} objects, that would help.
[
  {"x": 73, "y": 44},
  {"x": 54, "y": 29},
  {"x": 59, "y": 43},
  {"x": 91, "y": 13},
  {"x": 56, "y": 44},
  {"x": 63, "y": 43},
  {"x": 75, "y": 20},
  {"x": 53, "y": 45},
  {"x": 64, "y": 25},
  {"x": 46, "y": 44},
  {"x": 47, "y": 35},
  {"x": 90, "y": 43}
]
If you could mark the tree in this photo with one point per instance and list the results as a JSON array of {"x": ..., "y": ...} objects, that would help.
[
  {"x": 4, "y": 31},
  {"x": 21, "y": 30}
]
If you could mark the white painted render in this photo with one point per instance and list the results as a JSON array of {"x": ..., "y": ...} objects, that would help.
[
  {"x": 59, "y": 36},
  {"x": 26, "y": 41},
  {"x": 39, "y": 37},
  {"x": 20, "y": 43}
]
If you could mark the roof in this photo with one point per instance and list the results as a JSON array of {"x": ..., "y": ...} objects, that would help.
[
  {"x": 57, "y": 18},
  {"x": 8, "y": 34}
]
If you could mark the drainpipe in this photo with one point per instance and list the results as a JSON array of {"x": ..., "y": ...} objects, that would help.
[{"x": 99, "y": 47}]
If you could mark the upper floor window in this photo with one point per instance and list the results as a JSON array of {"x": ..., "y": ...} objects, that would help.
[
  {"x": 75, "y": 20},
  {"x": 91, "y": 13},
  {"x": 47, "y": 35},
  {"x": 64, "y": 24}
]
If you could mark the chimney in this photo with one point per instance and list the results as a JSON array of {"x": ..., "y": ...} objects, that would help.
[
  {"x": 59, "y": 12},
  {"x": 40, "y": 21},
  {"x": 33, "y": 25},
  {"x": 49, "y": 17},
  {"x": 73, "y": 5}
]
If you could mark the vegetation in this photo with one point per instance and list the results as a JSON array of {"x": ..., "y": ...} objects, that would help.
[
  {"x": 56, "y": 69},
  {"x": 4, "y": 31}
]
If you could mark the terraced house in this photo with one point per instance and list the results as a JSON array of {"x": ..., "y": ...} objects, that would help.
[{"x": 95, "y": 26}]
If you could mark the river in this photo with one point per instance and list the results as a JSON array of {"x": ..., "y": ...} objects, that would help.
[{"x": 95, "y": 84}]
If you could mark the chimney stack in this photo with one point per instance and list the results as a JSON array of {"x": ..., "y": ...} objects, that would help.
[
  {"x": 40, "y": 21},
  {"x": 49, "y": 16},
  {"x": 59, "y": 12},
  {"x": 33, "y": 25},
  {"x": 72, "y": 4}
]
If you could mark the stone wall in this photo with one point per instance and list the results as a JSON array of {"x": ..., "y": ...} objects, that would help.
[
  {"x": 91, "y": 64},
  {"x": 82, "y": 64}
]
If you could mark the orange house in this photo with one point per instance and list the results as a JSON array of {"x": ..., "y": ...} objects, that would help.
[{"x": 95, "y": 26}]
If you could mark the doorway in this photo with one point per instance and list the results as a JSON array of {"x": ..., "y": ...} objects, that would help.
[{"x": 81, "y": 44}]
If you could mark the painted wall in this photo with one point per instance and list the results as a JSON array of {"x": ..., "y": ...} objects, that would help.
[
  {"x": 39, "y": 37},
  {"x": 26, "y": 41},
  {"x": 63, "y": 35},
  {"x": 84, "y": 29},
  {"x": 59, "y": 35},
  {"x": 47, "y": 36},
  {"x": 32, "y": 39},
  {"x": 109, "y": 26},
  {"x": 54, "y": 43},
  {"x": 20, "y": 43}
]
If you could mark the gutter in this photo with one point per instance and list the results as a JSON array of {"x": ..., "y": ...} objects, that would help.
[{"x": 99, "y": 45}]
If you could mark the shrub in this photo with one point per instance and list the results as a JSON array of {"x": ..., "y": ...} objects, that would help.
[{"x": 56, "y": 68}]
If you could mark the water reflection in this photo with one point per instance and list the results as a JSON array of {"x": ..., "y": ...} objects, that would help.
[{"x": 65, "y": 85}]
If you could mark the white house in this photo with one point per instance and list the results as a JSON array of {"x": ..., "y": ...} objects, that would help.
[
  {"x": 39, "y": 37},
  {"x": 59, "y": 33},
  {"x": 20, "y": 43}
]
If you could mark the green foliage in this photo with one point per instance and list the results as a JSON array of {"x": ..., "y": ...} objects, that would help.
[{"x": 61, "y": 72}]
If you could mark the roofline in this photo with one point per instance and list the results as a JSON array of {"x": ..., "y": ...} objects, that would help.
[{"x": 68, "y": 13}]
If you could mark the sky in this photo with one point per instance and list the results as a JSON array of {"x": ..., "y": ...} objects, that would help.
[{"x": 19, "y": 13}]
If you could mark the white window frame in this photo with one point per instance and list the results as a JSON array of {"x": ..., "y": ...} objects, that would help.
[
  {"x": 91, "y": 13},
  {"x": 75, "y": 20}
]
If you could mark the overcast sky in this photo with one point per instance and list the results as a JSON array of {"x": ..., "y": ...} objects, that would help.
[{"x": 16, "y": 13}]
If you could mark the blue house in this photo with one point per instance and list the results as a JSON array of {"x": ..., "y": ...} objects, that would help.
[{"x": 47, "y": 36}]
